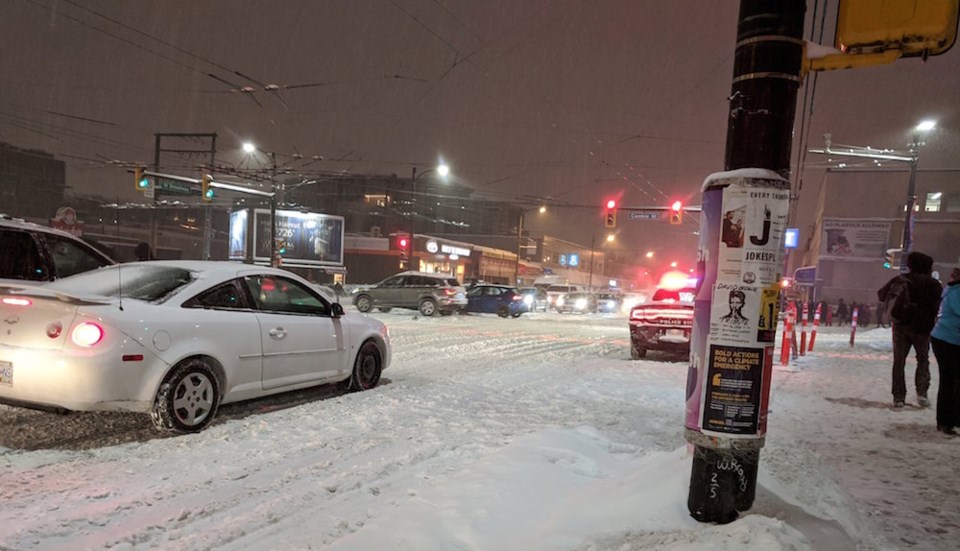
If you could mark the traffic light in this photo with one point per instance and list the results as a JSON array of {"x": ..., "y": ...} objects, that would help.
[
  {"x": 891, "y": 259},
  {"x": 676, "y": 213},
  {"x": 141, "y": 181},
  {"x": 610, "y": 217},
  {"x": 403, "y": 245},
  {"x": 206, "y": 192}
]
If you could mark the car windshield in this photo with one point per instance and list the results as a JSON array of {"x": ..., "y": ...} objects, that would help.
[{"x": 138, "y": 281}]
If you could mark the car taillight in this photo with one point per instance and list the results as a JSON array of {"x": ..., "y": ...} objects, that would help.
[
  {"x": 16, "y": 301},
  {"x": 86, "y": 334},
  {"x": 449, "y": 292},
  {"x": 518, "y": 297}
]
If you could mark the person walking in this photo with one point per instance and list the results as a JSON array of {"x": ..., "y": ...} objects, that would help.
[
  {"x": 914, "y": 299},
  {"x": 842, "y": 313},
  {"x": 945, "y": 339}
]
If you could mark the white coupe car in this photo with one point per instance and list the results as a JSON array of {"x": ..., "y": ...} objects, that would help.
[{"x": 178, "y": 338}]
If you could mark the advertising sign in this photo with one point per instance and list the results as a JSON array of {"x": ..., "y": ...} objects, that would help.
[
  {"x": 66, "y": 220},
  {"x": 312, "y": 239},
  {"x": 854, "y": 238},
  {"x": 238, "y": 234}
]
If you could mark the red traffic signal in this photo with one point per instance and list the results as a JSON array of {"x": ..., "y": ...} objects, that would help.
[
  {"x": 612, "y": 204},
  {"x": 402, "y": 242},
  {"x": 676, "y": 214},
  {"x": 677, "y": 206}
]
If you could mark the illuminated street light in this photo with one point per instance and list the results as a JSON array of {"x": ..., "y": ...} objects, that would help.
[
  {"x": 649, "y": 254},
  {"x": 611, "y": 238},
  {"x": 249, "y": 147},
  {"x": 673, "y": 264},
  {"x": 927, "y": 125},
  {"x": 543, "y": 209},
  {"x": 443, "y": 170}
]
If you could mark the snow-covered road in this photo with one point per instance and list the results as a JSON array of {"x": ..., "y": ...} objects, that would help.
[{"x": 534, "y": 433}]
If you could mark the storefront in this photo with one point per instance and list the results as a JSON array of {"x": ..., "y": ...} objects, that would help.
[{"x": 443, "y": 256}]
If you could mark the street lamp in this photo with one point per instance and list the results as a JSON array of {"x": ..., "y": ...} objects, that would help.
[
  {"x": 911, "y": 157},
  {"x": 649, "y": 254},
  {"x": 250, "y": 148},
  {"x": 442, "y": 169}
]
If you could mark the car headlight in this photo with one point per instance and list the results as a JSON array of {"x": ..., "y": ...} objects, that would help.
[
  {"x": 581, "y": 303},
  {"x": 528, "y": 300},
  {"x": 559, "y": 301}
]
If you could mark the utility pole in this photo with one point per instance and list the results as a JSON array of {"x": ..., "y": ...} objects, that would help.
[
  {"x": 593, "y": 247},
  {"x": 728, "y": 378},
  {"x": 516, "y": 266},
  {"x": 277, "y": 197}
]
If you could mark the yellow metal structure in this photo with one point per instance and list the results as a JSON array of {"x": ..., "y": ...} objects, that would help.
[{"x": 877, "y": 32}]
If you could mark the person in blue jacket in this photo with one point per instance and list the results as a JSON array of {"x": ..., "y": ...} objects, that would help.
[{"x": 945, "y": 339}]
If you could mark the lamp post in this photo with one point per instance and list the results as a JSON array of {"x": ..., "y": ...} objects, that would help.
[
  {"x": 442, "y": 169},
  {"x": 911, "y": 157},
  {"x": 248, "y": 147}
]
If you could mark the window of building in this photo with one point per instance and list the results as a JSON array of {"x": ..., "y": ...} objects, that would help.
[
  {"x": 933, "y": 202},
  {"x": 951, "y": 202},
  {"x": 378, "y": 200}
]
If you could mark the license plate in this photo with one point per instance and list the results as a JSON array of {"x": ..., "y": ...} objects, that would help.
[{"x": 6, "y": 373}]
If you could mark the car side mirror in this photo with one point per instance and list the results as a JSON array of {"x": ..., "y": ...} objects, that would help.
[{"x": 336, "y": 310}]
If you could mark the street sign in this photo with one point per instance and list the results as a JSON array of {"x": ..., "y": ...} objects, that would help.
[
  {"x": 645, "y": 215},
  {"x": 806, "y": 275},
  {"x": 173, "y": 187}
]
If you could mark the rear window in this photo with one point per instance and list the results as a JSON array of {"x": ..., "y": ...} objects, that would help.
[
  {"x": 452, "y": 282},
  {"x": 679, "y": 295},
  {"x": 20, "y": 257},
  {"x": 141, "y": 281}
]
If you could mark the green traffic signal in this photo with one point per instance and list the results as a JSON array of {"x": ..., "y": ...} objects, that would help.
[
  {"x": 209, "y": 193},
  {"x": 143, "y": 183},
  {"x": 887, "y": 265}
]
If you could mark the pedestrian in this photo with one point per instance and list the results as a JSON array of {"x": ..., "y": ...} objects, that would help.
[
  {"x": 911, "y": 303},
  {"x": 142, "y": 252},
  {"x": 828, "y": 317},
  {"x": 945, "y": 339},
  {"x": 864, "y": 316},
  {"x": 842, "y": 312}
]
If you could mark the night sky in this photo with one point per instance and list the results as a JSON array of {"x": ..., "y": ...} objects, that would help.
[{"x": 572, "y": 100}]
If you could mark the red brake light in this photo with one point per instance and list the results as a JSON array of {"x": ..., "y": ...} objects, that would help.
[
  {"x": 449, "y": 292},
  {"x": 516, "y": 297},
  {"x": 16, "y": 301},
  {"x": 86, "y": 334}
]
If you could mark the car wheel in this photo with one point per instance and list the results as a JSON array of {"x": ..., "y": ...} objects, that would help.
[
  {"x": 637, "y": 353},
  {"x": 187, "y": 399},
  {"x": 428, "y": 307},
  {"x": 364, "y": 303},
  {"x": 503, "y": 311},
  {"x": 367, "y": 368},
  {"x": 385, "y": 310}
]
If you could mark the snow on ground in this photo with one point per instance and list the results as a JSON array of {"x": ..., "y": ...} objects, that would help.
[{"x": 536, "y": 434}]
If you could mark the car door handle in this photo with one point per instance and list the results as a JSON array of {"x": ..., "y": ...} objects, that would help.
[{"x": 278, "y": 332}]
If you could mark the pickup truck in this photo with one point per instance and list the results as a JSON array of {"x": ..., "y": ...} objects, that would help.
[{"x": 664, "y": 323}]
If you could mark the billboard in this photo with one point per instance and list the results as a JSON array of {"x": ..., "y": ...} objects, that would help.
[
  {"x": 854, "y": 238},
  {"x": 238, "y": 235},
  {"x": 312, "y": 239}
]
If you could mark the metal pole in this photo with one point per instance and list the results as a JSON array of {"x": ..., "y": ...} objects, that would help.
[
  {"x": 516, "y": 266},
  {"x": 906, "y": 244},
  {"x": 593, "y": 245},
  {"x": 273, "y": 210},
  {"x": 208, "y": 209}
]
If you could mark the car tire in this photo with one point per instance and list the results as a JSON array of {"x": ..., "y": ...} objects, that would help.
[
  {"x": 364, "y": 303},
  {"x": 428, "y": 307},
  {"x": 366, "y": 368},
  {"x": 385, "y": 310},
  {"x": 637, "y": 353},
  {"x": 503, "y": 312},
  {"x": 187, "y": 399}
]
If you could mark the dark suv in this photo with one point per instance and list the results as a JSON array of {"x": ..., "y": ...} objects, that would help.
[
  {"x": 31, "y": 252},
  {"x": 428, "y": 293}
]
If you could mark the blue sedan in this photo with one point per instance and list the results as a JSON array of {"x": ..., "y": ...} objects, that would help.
[{"x": 501, "y": 300}]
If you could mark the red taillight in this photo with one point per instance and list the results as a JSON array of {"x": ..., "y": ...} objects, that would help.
[
  {"x": 449, "y": 292},
  {"x": 517, "y": 297},
  {"x": 86, "y": 334},
  {"x": 133, "y": 357},
  {"x": 16, "y": 301}
]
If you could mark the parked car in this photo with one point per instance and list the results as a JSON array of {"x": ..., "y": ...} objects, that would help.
[
  {"x": 609, "y": 302},
  {"x": 578, "y": 302},
  {"x": 177, "y": 339},
  {"x": 33, "y": 253},
  {"x": 664, "y": 323},
  {"x": 535, "y": 298},
  {"x": 502, "y": 300},
  {"x": 428, "y": 293},
  {"x": 556, "y": 291}
]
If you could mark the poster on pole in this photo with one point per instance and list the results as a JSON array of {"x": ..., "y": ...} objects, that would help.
[
  {"x": 854, "y": 238},
  {"x": 754, "y": 217},
  {"x": 310, "y": 238}
]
